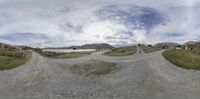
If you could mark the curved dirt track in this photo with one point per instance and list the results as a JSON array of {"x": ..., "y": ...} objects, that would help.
[{"x": 142, "y": 76}]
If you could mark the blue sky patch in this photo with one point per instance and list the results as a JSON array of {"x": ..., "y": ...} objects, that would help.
[{"x": 23, "y": 37}]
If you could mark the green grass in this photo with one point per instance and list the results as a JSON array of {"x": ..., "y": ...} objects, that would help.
[
  {"x": 183, "y": 58},
  {"x": 123, "y": 51},
  {"x": 7, "y": 62},
  {"x": 93, "y": 68},
  {"x": 148, "y": 49},
  {"x": 73, "y": 55}
]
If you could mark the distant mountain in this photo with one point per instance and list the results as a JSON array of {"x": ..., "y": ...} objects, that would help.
[
  {"x": 97, "y": 46},
  {"x": 3, "y": 45},
  {"x": 189, "y": 43},
  {"x": 87, "y": 46},
  {"x": 166, "y": 45},
  {"x": 192, "y": 44}
]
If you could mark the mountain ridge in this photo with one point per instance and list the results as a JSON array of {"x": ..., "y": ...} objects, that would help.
[{"x": 86, "y": 46}]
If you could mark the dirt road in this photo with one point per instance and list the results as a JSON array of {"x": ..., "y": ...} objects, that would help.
[{"x": 142, "y": 76}]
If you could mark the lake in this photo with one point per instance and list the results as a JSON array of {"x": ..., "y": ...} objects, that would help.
[{"x": 68, "y": 50}]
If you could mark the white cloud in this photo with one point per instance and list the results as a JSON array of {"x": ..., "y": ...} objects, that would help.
[{"x": 75, "y": 22}]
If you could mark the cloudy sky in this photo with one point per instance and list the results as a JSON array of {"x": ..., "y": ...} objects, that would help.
[{"x": 58, "y": 23}]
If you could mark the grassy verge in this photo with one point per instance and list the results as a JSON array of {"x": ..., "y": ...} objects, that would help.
[
  {"x": 93, "y": 68},
  {"x": 12, "y": 59},
  {"x": 148, "y": 49},
  {"x": 183, "y": 58},
  {"x": 123, "y": 51}
]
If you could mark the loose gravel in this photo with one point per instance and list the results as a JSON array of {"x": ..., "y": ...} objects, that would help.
[{"x": 142, "y": 76}]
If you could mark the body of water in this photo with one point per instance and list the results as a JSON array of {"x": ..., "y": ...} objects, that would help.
[{"x": 68, "y": 50}]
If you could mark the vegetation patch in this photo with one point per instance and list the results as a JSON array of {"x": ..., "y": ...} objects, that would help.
[
  {"x": 183, "y": 58},
  {"x": 93, "y": 68},
  {"x": 123, "y": 51},
  {"x": 150, "y": 49},
  {"x": 12, "y": 59}
]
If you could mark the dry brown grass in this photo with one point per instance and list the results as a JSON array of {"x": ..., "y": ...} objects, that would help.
[
  {"x": 9, "y": 60},
  {"x": 148, "y": 49},
  {"x": 93, "y": 68},
  {"x": 122, "y": 51}
]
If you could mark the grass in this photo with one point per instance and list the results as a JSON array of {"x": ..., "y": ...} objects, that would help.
[
  {"x": 123, "y": 51},
  {"x": 148, "y": 49},
  {"x": 93, "y": 68},
  {"x": 9, "y": 62},
  {"x": 183, "y": 58}
]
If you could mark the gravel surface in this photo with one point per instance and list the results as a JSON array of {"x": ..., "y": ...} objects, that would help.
[{"x": 141, "y": 76}]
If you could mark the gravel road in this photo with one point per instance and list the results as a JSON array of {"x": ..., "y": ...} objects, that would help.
[{"x": 141, "y": 76}]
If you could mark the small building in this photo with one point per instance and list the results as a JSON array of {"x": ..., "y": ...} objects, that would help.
[
  {"x": 74, "y": 48},
  {"x": 186, "y": 47},
  {"x": 164, "y": 47},
  {"x": 178, "y": 47}
]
